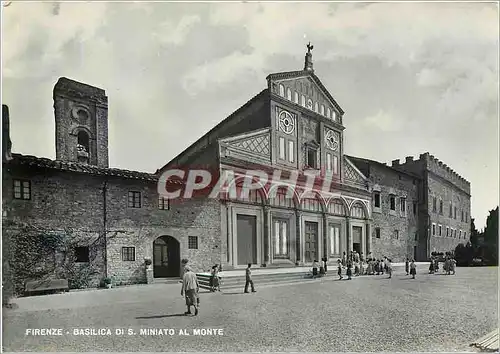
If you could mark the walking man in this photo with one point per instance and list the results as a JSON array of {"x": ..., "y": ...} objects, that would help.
[
  {"x": 190, "y": 289},
  {"x": 249, "y": 280},
  {"x": 407, "y": 266}
]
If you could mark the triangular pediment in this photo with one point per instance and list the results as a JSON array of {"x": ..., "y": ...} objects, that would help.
[
  {"x": 254, "y": 145},
  {"x": 352, "y": 173},
  {"x": 304, "y": 83}
]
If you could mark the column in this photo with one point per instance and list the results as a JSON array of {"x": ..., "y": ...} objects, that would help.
[
  {"x": 325, "y": 237},
  {"x": 267, "y": 235},
  {"x": 348, "y": 235},
  {"x": 368, "y": 237},
  {"x": 298, "y": 238},
  {"x": 229, "y": 211}
]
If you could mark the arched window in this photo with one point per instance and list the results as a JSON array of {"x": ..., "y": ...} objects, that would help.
[
  {"x": 334, "y": 115},
  {"x": 336, "y": 207},
  {"x": 283, "y": 198},
  {"x": 303, "y": 101},
  {"x": 328, "y": 113},
  {"x": 296, "y": 97},
  {"x": 83, "y": 139},
  {"x": 282, "y": 90},
  {"x": 322, "y": 110},
  {"x": 316, "y": 107},
  {"x": 288, "y": 94},
  {"x": 310, "y": 204},
  {"x": 358, "y": 211}
]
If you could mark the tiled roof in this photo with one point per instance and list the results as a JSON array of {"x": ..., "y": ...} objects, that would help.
[
  {"x": 299, "y": 73},
  {"x": 41, "y": 162}
]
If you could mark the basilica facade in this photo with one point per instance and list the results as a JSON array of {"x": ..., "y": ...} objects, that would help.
[{"x": 118, "y": 219}]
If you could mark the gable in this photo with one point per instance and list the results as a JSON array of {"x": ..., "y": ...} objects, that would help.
[
  {"x": 352, "y": 174},
  {"x": 293, "y": 85},
  {"x": 253, "y": 146}
]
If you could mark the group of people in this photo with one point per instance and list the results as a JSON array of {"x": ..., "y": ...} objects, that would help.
[
  {"x": 355, "y": 264},
  {"x": 191, "y": 288},
  {"x": 449, "y": 265}
]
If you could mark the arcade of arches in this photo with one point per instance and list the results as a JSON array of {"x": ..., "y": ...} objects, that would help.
[{"x": 296, "y": 231}]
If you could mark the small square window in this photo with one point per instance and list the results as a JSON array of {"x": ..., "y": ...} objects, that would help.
[
  {"x": 128, "y": 254},
  {"x": 377, "y": 232},
  {"x": 134, "y": 199},
  {"x": 82, "y": 254},
  {"x": 193, "y": 242},
  {"x": 163, "y": 203},
  {"x": 22, "y": 189}
]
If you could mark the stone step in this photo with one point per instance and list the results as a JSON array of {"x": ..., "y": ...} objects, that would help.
[{"x": 239, "y": 281}]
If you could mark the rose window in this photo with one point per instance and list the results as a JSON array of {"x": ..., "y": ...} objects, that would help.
[
  {"x": 286, "y": 123},
  {"x": 331, "y": 140}
]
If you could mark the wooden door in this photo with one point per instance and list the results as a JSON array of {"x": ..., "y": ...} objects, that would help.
[
  {"x": 311, "y": 241},
  {"x": 246, "y": 235}
]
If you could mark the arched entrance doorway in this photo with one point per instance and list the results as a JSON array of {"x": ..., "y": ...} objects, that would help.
[{"x": 166, "y": 257}]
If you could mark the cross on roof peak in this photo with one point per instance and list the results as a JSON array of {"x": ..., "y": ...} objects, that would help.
[{"x": 309, "y": 47}]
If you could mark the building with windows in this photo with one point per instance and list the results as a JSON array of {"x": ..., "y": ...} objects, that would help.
[{"x": 116, "y": 218}]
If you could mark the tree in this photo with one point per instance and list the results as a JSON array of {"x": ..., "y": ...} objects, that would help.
[{"x": 491, "y": 237}]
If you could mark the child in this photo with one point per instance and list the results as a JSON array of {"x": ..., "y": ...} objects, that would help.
[
  {"x": 356, "y": 269},
  {"x": 413, "y": 269},
  {"x": 349, "y": 270},
  {"x": 339, "y": 269},
  {"x": 315, "y": 268},
  {"x": 325, "y": 260}
]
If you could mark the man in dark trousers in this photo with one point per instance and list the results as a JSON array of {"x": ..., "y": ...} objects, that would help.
[{"x": 249, "y": 279}]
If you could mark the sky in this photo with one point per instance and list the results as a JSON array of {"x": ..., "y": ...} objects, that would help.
[{"x": 411, "y": 77}]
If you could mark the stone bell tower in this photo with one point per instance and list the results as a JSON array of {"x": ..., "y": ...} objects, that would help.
[{"x": 81, "y": 113}]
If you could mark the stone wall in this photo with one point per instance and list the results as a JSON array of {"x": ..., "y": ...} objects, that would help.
[
  {"x": 69, "y": 98},
  {"x": 389, "y": 182},
  {"x": 443, "y": 191},
  {"x": 74, "y": 203}
]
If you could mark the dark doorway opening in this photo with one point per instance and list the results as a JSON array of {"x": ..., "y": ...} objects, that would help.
[
  {"x": 356, "y": 247},
  {"x": 166, "y": 257}
]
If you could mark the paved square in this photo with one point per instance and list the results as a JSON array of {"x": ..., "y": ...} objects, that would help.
[{"x": 430, "y": 313}]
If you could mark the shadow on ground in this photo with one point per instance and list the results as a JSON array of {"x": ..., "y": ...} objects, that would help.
[{"x": 161, "y": 316}]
